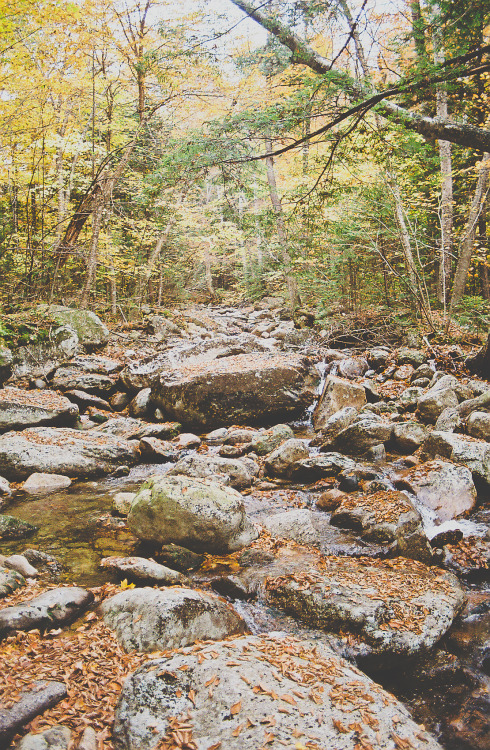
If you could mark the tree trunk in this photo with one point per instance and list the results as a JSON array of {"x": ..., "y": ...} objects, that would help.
[{"x": 93, "y": 255}]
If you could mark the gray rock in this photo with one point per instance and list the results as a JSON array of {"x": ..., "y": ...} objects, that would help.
[
  {"x": 42, "y": 484},
  {"x": 478, "y": 425},
  {"x": 63, "y": 451},
  {"x": 461, "y": 449},
  {"x": 55, "y": 738},
  {"x": 424, "y": 371},
  {"x": 15, "y": 528},
  {"x": 392, "y": 609},
  {"x": 449, "y": 420},
  {"x": 144, "y": 570},
  {"x": 31, "y": 703},
  {"x": 338, "y": 422},
  {"x": 240, "y": 474},
  {"x": 443, "y": 394},
  {"x": 5, "y": 489},
  {"x": 238, "y": 436},
  {"x": 140, "y": 405},
  {"x": 6, "y": 361},
  {"x": 268, "y": 440},
  {"x": 281, "y": 462},
  {"x": 10, "y": 580},
  {"x": 121, "y": 502},
  {"x": 20, "y": 408},
  {"x": 72, "y": 378},
  {"x": 119, "y": 400},
  {"x": 188, "y": 440},
  {"x": 363, "y": 434},
  {"x": 49, "y": 610},
  {"x": 20, "y": 564},
  {"x": 40, "y": 360},
  {"x": 409, "y": 398},
  {"x": 202, "y": 515},
  {"x": 337, "y": 394},
  {"x": 163, "y": 327},
  {"x": 251, "y": 678},
  {"x": 352, "y": 367},
  {"x": 377, "y": 357},
  {"x": 408, "y": 356},
  {"x": 385, "y": 518},
  {"x": 148, "y": 619},
  {"x": 96, "y": 363},
  {"x": 408, "y": 436},
  {"x": 442, "y": 486},
  {"x": 135, "y": 429},
  {"x": 323, "y": 465},
  {"x": 91, "y": 331}
]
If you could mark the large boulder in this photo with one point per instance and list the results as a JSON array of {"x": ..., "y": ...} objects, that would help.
[
  {"x": 49, "y": 610},
  {"x": 268, "y": 440},
  {"x": 63, "y": 451},
  {"x": 281, "y": 462},
  {"x": 147, "y": 619},
  {"x": 20, "y": 408},
  {"x": 74, "y": 378},
  {"x": 385, "y": 517},
  {"x": 246, "y": 388},
  {"x": 199, "y": 514},
  {"x": 478, "y": 425},
  {"x": 142, "y": 569},
  {"x": 366, "y": 432},
  {"x": 337, "y": 394},
  {"x": 260, "y": 691},
  {"x": 443, "y": 394},
  {"x": 40, "y": 359},
  {"x": 91, "y": 331},
  {"x": 407, "y": 437},
  {"x": 461, "y": 449},
  {"x": 391, "y": 609},
  {"x": 443, "y": 487},
  {"x": 236, "y": 473}
]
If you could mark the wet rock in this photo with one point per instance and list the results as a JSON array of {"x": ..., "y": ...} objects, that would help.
[
  {"x": 42, "y": 484},
  {"x": 363, "y": 434},
  {"x": 444, "y": 487},
  {"x": 407, "y": 437},
  {"x": 282, "y": 461},
  {"x": 49, "y": 610},
  {"x": 43, "y": 695},
  {"x": 71, "y": 378},
  {"x": 40, "y": 360},
  {"x": 268, "y": 440},
  {"x": 63, "y": 451},
  {"x": 121, "y": 502},
  {"x": 478, "y": 425},
  {"x": 239, "y": 474},
  {"x": 180, "y": 558},
  {"x": 148, "y": 619},
  {"x": 83, "y": 400},
  {"x": 20, "y": 408},
  {"x": 243, "y": 388},
  {"x": 10, "y": 580},
  {"x": 337, "y": 394},
  {"x": 461, "y": 449},
  {"x": 391, "y": 609},
  {"x": 352, "y": 367},
  {"x": 252, "y": 678},
  {"x": 385, "y": 518},
  {"x": 140, "y": 405},
  {"x": 54, "y": 738},
  {"x": 469, "y": 558},
  {"x": 201, "y": 515},
  {"x": 155, "y": 450},
  {"x": 20, "y": 564},
  {"x": 14, "y": 528},
  {"x": 91, "y": 331},
  {"x": 143, "y": 569}
]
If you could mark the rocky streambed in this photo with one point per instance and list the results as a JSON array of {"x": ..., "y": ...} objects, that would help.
[{"x": 217, "y": 531}]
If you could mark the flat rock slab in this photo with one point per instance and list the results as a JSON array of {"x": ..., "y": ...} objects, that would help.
[
  {"x": 245, "y": 389},
  {"x": 443, "y": 487},
  {"x": 148, "y": 619},
  {"x": 10, "y": 580},
  {"x": 261, "y": 691},
  {"x": 143, "y": 569},
  {"x": 199, "y": 514},
  {"x": 49, "y": 610},
  {"x": 20, "y": 408},
  {"x": 392, "y": 609},
  {"x": 31, "y": 703},
  {"x": 63, "y": 451}
]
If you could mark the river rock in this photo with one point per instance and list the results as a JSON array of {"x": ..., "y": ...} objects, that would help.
[
  {"x": 15, "y": 528},
  {"x": 268, "y": 440},
  {"x": 55, "y": 738},
  {"x": 63, "y": 451},
  {"x": 281, "y": 462},
  {"x": 391, "y": 609},
  {"x": 407, "y": 437},
  {"x": 377, "y": 357},
  {"x": 478, "y": 425},
  {"x": 130, "y": 428},
  {"x": 144, "y": 570},
  {"x": 41, "y": 696},
  {"x": 83, "y": 400},
  {"x": 155, "y": 450},
  {"x": 5, "y": 489},
  {"x": 10, "y": 580},
  {"x": 20, "y": 564},
  {"x": 239, "y": 473},
  {"x": 71, "y": 378},
  {"x": 337, "y": 394},
  {"x": 20, "y": 408},
  {"x": 385, "y": 518},
  {"x": 367, "y": 431},
  {"x": 440, "y": 396},
  {"x": 461, "y": 449},
  {"x": 336, "y": 423},
  {"x": 42, "y": 484},
  {"x": 148, "y": 619},
  {"x": 49, "y": 610},
  {"x": 91, "y": 331},
  {"x": 200, "y": 514},
  {"x": 246, "y": 388},
  {"x": 323, "y": 465},
  {"x": 271, "y": 689},
  {"x": 408, "y": 356},
  {"x": 409, "y": 398},
  {"x": 40, "y": 360},
  {"x": 140, "y": 405},
  {"x": 121, "y": 502},
  {"x": 444, "y": 487},
  {"x": 352, "y": 367},
  {"x": 188, "y": 440}
]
